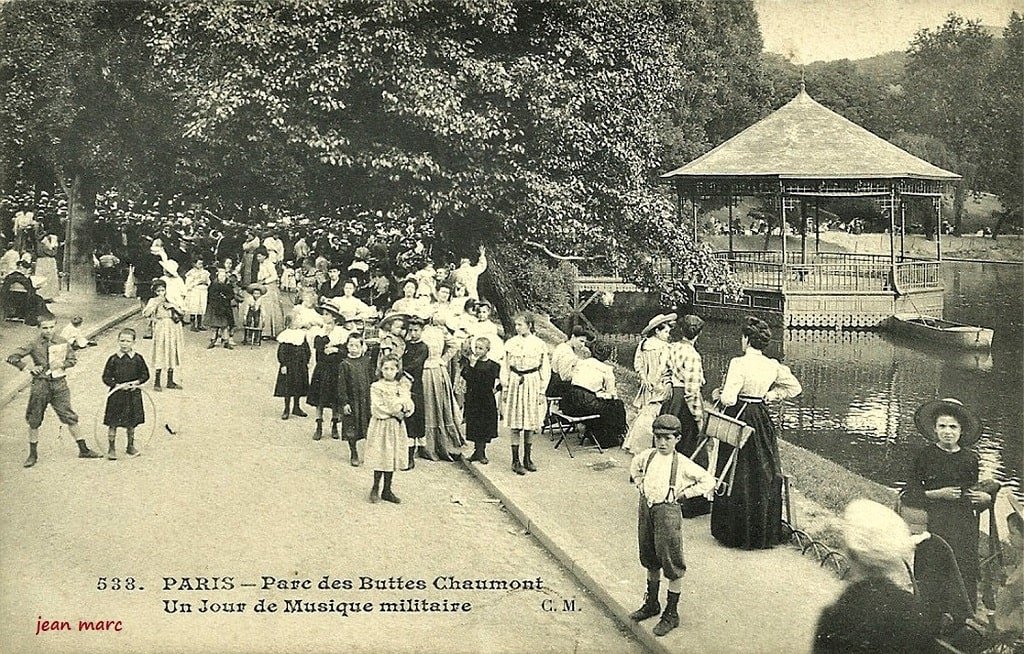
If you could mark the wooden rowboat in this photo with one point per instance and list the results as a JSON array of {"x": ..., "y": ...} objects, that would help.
[{"x": 942, "y": 332}]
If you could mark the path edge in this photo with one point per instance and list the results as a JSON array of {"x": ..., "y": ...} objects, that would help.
[
  {"x": 11, "y": 390},
  {"x": 575, "y": 568}
]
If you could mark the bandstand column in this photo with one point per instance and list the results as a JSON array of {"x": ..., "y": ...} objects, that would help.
[
  {"x": 892, "y": 233},
  {"x": 693, "y": 217},
  {"x": 782, "y": 228},
  {"x": 903, "y": 229},
  {"x": 817, "y": 225},
  {"x": 730, "y": 227},
  {"x": 938, "y": 228}
]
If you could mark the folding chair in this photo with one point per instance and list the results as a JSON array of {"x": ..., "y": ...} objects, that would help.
[
  {"x": 549, "y": 419},
  {"x": 725, "y": 429},
  {"x": 564, "y": 423}
]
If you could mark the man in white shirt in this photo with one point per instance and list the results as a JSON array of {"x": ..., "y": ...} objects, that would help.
[{"x": 469, "y": 274}]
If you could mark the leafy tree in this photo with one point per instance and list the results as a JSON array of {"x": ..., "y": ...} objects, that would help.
[
  {"x": 79, "y": 105},
  {"x": 1003, "y": 141},
  {"x": 473, "y": 121},
  {"x": 946, "y": 87}
]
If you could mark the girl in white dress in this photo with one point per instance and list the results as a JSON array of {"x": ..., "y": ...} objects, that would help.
[
  {"x": 525, "y": 374},
  {"x": 386, "y": 438}
]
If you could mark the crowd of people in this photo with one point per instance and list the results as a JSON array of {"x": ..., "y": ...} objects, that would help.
[{"x": 414, "y": 368}]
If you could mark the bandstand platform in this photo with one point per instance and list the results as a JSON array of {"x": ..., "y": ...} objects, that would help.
[{"x": 796, "y": 158}]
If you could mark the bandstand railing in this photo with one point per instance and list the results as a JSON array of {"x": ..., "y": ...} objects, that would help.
[{"x": 831, "y": 271}]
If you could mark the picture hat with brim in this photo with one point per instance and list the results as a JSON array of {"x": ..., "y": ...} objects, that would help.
[
  {"x": 970, "y": 425},
  {"x": 385, "y": 322},
  {"x": 657, "y": 321}
]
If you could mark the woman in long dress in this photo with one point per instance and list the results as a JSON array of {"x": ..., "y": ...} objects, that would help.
[
  {"x": 46, "y": 267},
  {"x": 525, "y": 373},
  {"x": 941, "y": 480},
  {"x": 649, "y": 364},
  {"x": 442, "y": 418},
  {"x": 273, "y": 309},
  {"x": 750, "y": 517}
]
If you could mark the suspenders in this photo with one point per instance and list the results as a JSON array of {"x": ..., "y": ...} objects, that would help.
[{"x": 671, "y": 497}]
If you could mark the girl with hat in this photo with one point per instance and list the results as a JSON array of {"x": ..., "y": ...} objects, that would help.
[
  {"x": 874, "y": 614},
  {"x": 940, "y": 480},
  {"x": 323, "y": 386},
  {"x": 649, "y": 364},
  {"x": 751, "y": 516}
]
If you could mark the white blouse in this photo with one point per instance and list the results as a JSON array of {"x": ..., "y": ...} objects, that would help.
[
  {"x": 755, "y": 375},
  {"x": 596, "y": 376}
]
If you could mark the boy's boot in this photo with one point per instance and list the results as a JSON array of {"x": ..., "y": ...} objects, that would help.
[
  {"x": 412, "y": 458},
  {"x": 528, "y": 458},
  {"x": 85, "y": 453},
  {"x": 334, "y": 429},
  {"x": 32, "y": 455},
  {"x": 111, "y": 450},
  {"x": 651, "y": 605},
  {"x": 318, "y": 433},
  {"x": 670, "y": 618},
  {"x": 517, "y": 467},
  {"x": 130, "y": 450}
]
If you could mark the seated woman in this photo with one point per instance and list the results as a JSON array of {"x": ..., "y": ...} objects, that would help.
[
  {"x": 592, "y": 391},
  {"x": 18, "y": 297}
]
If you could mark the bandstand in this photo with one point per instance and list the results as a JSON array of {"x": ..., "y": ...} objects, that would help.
[{"x": 797, "y": 156}]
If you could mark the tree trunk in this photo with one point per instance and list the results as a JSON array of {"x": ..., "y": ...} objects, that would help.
[
  {"x": 78, "y": 246},
  {"x": 497, "y": 286}
]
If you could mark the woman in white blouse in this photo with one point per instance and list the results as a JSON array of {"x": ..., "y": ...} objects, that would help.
[
  {"x": 592, "y": 391},
  {"x": 751, "y": 516}
]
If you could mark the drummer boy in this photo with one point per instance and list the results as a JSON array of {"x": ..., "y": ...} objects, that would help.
[{"x": 664, "y": 478}]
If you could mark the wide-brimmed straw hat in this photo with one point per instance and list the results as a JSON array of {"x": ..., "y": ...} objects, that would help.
[
  {"x": 657, "y": 321},
  {"x": 385, "y": 322},
  {"x": 970, "y": 425},
  {"x": 256, "y": 286}
]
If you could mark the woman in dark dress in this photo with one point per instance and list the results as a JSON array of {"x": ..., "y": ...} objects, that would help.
[
  {"x": 750, "y": 517},
  {"x": 481, "y": 406},
  {"x": 874, "y": 615},
  {"x": 940, "y": 480}
]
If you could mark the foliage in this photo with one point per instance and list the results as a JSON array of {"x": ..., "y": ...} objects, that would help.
[{"x": 1003, "y": 141}]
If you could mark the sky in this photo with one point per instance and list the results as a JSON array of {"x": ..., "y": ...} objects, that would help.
[{"x": 824, "y": 30}]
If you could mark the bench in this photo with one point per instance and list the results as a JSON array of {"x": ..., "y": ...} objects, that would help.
[{"x": 564, "y": 423}]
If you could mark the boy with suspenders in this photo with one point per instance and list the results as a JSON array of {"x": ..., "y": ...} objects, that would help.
[{"x": 664, "y": 478}]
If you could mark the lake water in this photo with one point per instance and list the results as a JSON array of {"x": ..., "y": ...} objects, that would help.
[{"x": 861, "y": 388}]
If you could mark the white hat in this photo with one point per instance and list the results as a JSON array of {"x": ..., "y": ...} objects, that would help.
[
  {"x": 657, "y": 321},
  {"x": 876, "y": 536}
]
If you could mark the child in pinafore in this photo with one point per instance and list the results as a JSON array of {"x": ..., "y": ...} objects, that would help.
[
  {"x": 124, "y": 373},
  {"x": 197, "y": 285},
  {"x": 390, "y": 405},
  {"x": 354, "y": 377},
  {"x": 323, "y": 387},
  {"x": 664, "y": 478},
  {"x": 293, "y": 374},
  {"x": 481, "y": 406},
  {"x": 219, "y": 314}
]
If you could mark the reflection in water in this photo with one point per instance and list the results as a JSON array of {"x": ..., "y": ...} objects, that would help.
[{"x": 861, "y": 388}]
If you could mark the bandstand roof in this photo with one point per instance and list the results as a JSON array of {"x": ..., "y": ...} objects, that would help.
[{"x": 805, "y": 140}]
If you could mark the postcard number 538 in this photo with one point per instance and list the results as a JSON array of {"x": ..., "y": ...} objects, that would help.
[{"x": 117, "y": 583}]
